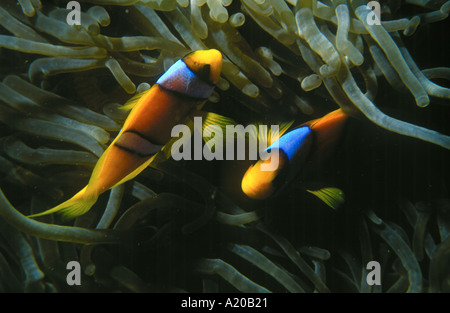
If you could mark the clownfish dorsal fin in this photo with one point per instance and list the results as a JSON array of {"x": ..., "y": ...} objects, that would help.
[
  {"x": 268, "y": 137},
  {"x": 331, "y": 196},
  {"x": 283, "y": 127}
]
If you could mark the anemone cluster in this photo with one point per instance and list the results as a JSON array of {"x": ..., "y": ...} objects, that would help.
[{"x": 61, "y": 90}]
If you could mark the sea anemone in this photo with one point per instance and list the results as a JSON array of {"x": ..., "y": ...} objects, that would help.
[{"x": 60, "y": 97}]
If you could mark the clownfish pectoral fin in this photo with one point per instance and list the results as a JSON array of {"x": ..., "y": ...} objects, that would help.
[
  {"x": 161, "y": 155},
  {"x": 212, "y": 123},
  {"x": 137, "y": 171},
  {"x": 331, "y": 196},
  {"x": 166, "y": 150},
  {"x": 133, "y": 101},
  {"x": 208, "y": 119},
  {"x": 75, "y": 206}
]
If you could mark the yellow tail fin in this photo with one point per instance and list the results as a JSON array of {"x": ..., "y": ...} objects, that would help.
[{"x": 75, "y": 206}]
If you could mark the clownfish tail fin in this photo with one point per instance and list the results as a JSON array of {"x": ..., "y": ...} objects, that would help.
[
  {"x": 75, "y": 206},
  {"x": 331, "y": 196}
]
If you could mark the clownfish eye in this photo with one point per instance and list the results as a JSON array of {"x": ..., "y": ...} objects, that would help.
[
  {"x": 204, "y": 72},
  {"x": 205, "y": 64}
]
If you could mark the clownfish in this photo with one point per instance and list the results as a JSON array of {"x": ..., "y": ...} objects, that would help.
[
  {"x": 305, "y": 147},
  {"x": 177, "y": 94}
]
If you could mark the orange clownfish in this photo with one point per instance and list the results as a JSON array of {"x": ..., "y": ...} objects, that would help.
[
  {"x": 176, "y": 95},
  {"x": 308, "y": 145}
]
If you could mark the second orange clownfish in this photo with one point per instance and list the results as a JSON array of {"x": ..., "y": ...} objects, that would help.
[
  {"x": 308, "y": 145},
  {"x": 178, "y": 93}
]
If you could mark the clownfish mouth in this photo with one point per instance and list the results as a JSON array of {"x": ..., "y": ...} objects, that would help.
[{"x": 259, "y": 180}]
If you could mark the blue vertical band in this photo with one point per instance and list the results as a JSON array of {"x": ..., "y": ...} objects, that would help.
[
  {"x": 180, "y": 79},
  {"x": 291, "y": 142}
]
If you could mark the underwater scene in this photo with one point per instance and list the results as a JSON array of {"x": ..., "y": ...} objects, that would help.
[{"x": 224, "y": 146}]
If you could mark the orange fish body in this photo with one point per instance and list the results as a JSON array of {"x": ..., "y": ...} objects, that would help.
[
  {"x": 301, "y": 149},
  {"x": 327, "y": 133},
  {"x": 180, "y": 91},
  {"x": 144, "y": 133}
]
